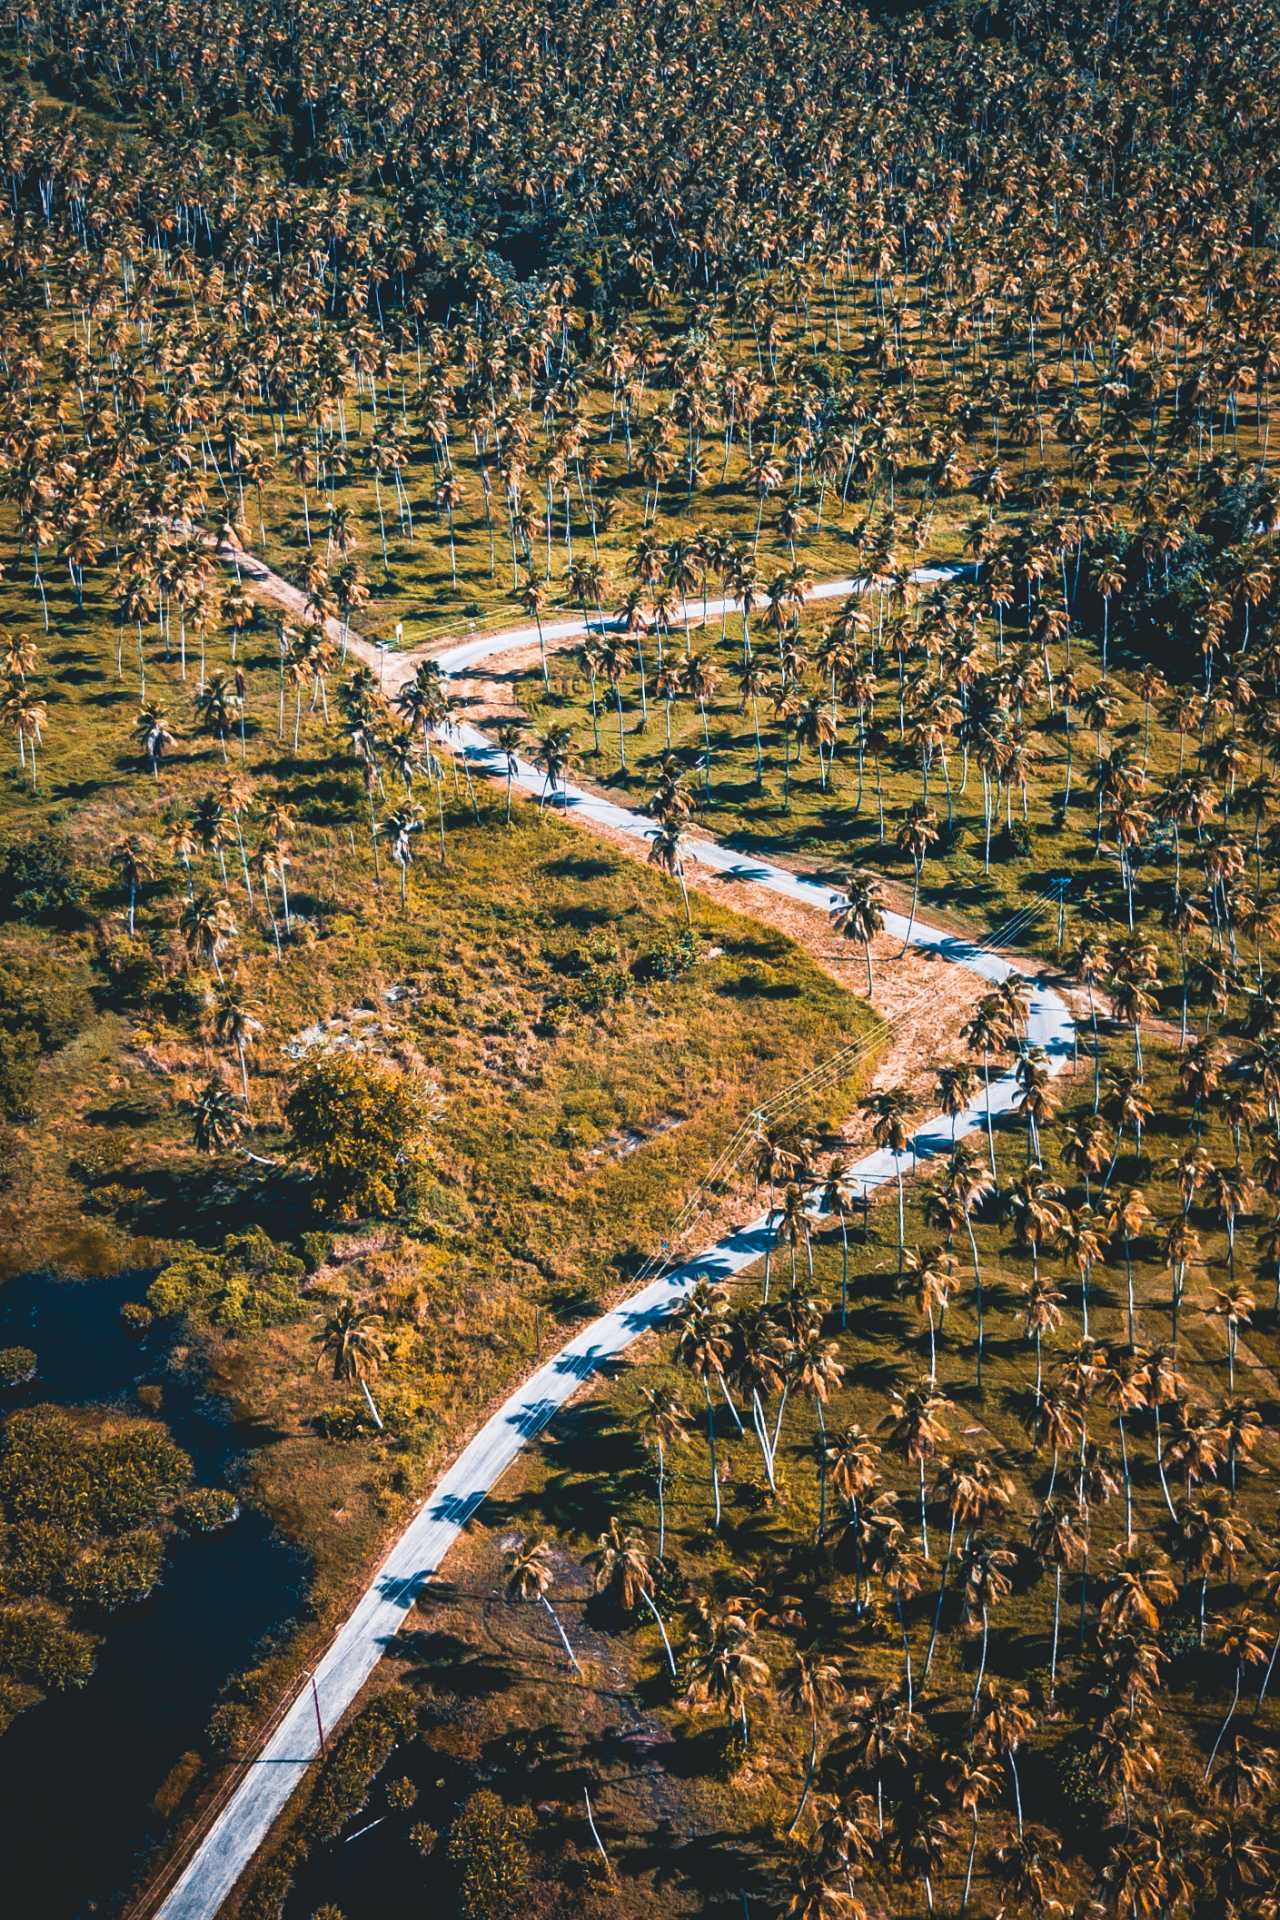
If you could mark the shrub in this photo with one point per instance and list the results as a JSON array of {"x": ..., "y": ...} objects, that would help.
[
  {"x": 489, "y": 1846},
  {"x": 38, "y": 878},
  {"x": 137, "y": 1317},
  {"x": 232, "y": 1726},
  {"x": 401, "y": 1793},
  {"x": 19, "y": 1059},
  {"x": 17, "y": 1366},
  {"x": 117, "y": 1573},
  {"x": 316, "y": 1249},
  {"x": 668, "y": 959},
  {"x": 251, "y": 1284},
  {"x": 208, "y": 1509},
  {"x": 358, "y": 1759},
  {"x": 424, "y": 1838},
  {"x": 36, "y": 1644},
  {"x": 50, "y": 1003}
]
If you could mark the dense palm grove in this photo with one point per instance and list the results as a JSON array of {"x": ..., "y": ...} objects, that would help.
[{"x": 474, "y": 312}]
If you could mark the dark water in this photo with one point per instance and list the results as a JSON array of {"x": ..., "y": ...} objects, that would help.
[{"x": 78, "y": 1774}]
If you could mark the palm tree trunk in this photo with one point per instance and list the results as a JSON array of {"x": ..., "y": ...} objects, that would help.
[{"x": 573, "y": 1659}]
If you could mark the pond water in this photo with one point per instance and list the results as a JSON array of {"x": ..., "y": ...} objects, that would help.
[{"x": 78, "y": 1774}]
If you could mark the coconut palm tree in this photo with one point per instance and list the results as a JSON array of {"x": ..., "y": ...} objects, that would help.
[
  {"x": 509, "y": 738},
  {"x": 623, "y": 1568},
  {"x": 724, "y": 1669},
  {"x": 397, "y": 829},
  {"x": 858, "y": 913},
  {"x": 216, "y": 1117},
  {"x": 530, "y": 1573},
  {"x": 131, "y": 862},
  {"x": 353, "y": 1341},
  {"x": 1057, "y": 1541},
  {"x": 236, "y": 1025},
  {"x": 665, "y": 1424},
  {"x": 811, "y": 1686},
  {"x": 888, "y": 1108},
  {"x": 915, "y": 836},
  {"x": 916, "y": 1424},
  {"x": 208, "y": 926},
  {"x": 703, "y": 1346}
]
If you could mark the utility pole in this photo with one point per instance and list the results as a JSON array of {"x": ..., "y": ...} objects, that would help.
[{"x": 315, "y": 1701}]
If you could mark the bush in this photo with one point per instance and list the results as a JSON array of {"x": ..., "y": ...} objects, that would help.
[
  {"x": 137, "y": 1317},
  {"x": 19, "y": 1060},
  {"x": 52, "y": 1468},
  {"x": 133, "y": 969},
  {"x": 50, "y": 1003},
  {"x": 36, "y": 1644},
  {"x": 208, "y": 1509},
  {"x": 316, "y": 1249},
  {"x": 251, "y": 1284},
  {"x": 668, "y": 959},
  {"x": 38, "y": 878},
  {"x": 358, "y": 1759},
  {"x": 17, "y": 1366},
  {"x": 359, "y": 1123},
  {"x": 401, "y": 1793},
  {"x": 489, "y": 1846},
  {"x": 232, "y": 1726},
  {"x": 1017, "y": 839},
  {"x": 117, "y": 1573},
  {"x": 423, "y": 1838}
]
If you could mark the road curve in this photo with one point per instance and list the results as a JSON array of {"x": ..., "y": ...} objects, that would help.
[{"x": 244, "y": 1821}]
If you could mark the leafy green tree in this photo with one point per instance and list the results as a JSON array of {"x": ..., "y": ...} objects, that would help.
[{"x": 360, "y": 1125}]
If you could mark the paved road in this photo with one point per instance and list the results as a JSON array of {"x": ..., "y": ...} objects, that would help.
[{"x": 244, "y": 1822}]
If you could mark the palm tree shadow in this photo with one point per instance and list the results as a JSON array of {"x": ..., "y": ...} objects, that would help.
[{"x": 434, "y": 1658}]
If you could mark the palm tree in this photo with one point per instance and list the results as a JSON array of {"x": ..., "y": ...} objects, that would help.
[
  {"x": 398, "y": 828},
  {"x": 510, "y": 738},
  {"x": 971, "y": 1782},
  {"x": 811, "y": 1686},
  {"x": 155, "y": 735},
  {"x": 665, "y": 1424},
  {"x": 888, "y": 1109},
  {"x": 723, "y": 1668},
  {"x": 666, "y": 851},
  {"x": 131, "y": 863},
  {"x": 956, "y": 1085},
  {"x": 623, "y": 1568},
  {"x": 1041, "y": 1314},
  {"x": 207, "y": 925},
  {"x": 1243, "y": 1642},
  {"x": 858, "y": 913},
  {"x": 702, "y": 1345},
  {"x": 1003, "y": 1724},
  {"x": 835, "y": 1195},
  {"x": 917, "y": 1426},
  {"x": 216, "y": 1117},
  {"x": 529, "y": 1577},
  {"x": 353, "y": 1341},
  {"x": 533, "y": 598},
  {"x": 551, "y": 757},
  {"x": 929, "y": 1278},
  {"x": 1030, "y": 1866},
  {"x": 985, "y": 1566},
  {"x": 236, "y": 1026},
  {"x": 915, "y": 836},
  {"x": 1057, "y": 1541}
]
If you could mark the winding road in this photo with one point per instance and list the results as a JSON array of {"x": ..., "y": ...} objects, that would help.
[{"x": 244, "y": 1820}]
